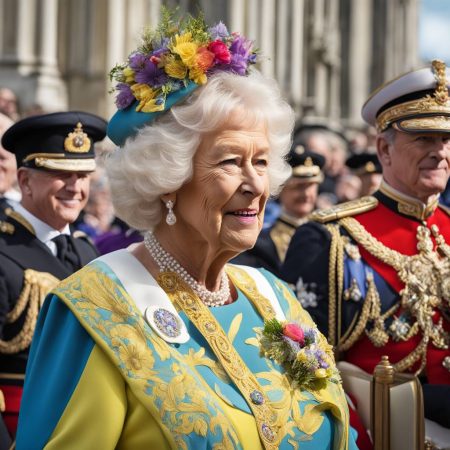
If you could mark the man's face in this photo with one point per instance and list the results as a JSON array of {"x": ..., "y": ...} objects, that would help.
[
  {"x": 298, "y": 197},
  {"x": 417, "y": 164},
  {"x": 55, "y": 197},
  {"x": 7, "y": 170}
]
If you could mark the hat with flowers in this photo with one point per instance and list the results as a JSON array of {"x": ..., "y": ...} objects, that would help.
[{"x": 172, "y": 61}]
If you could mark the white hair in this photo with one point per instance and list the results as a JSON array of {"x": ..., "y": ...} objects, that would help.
[{"x": 159, "y": 159}]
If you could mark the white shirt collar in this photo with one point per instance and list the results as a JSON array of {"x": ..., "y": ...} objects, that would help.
[{"x": 44, "y": 232}]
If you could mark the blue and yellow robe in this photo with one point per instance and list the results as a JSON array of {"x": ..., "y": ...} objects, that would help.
[{"x": 99, "y": 377}]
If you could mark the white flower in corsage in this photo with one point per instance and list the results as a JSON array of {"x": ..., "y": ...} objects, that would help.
[{"x": 296, "y": 348}]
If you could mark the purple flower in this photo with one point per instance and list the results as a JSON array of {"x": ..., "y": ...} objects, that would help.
[
  {"x": 218, "y": 31},
  {"x": 241, "y": 46},
  {"x": 238, "y": 64},
  {"x": 160, "y": 45},
  {"x": 295, "y": 346},
  {"x": 310, "y": 336},
  {"x": 150, "y": 74},
  {"x": 125, "y": 96},
  {"x": 137, "y": 61}
]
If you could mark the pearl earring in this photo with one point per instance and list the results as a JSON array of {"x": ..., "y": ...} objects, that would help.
[{"x": 171, "y": 218}]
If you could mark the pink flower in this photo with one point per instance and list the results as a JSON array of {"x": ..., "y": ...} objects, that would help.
[
  {"x": 294, "y": 332},
  {"x": 221, "y": 53}
]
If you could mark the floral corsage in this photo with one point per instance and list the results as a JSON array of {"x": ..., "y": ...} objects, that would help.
[{"x": 296, "y": 348}]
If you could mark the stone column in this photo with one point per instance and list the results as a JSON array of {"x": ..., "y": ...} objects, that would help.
[
  {"x": 296, "y": 62},
  {"x": 360, "y": 44}
]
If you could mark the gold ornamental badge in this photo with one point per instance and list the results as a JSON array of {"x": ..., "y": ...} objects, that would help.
[{"x": 77, "y": 141}]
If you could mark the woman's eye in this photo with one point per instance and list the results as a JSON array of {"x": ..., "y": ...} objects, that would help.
[
  {"x": 262, "y": 162},
  {"x": 229, "y": 161}
]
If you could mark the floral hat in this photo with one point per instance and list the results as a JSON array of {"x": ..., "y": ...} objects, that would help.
[{"x": 173, "y": 60}]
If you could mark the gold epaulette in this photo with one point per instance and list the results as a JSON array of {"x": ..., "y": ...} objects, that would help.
[
  {"x": 6, "y": 227},
  {"x": 79, "y": 234},
  {"x": 444, "y": 208},
  {"x": 346, "y": 209},
  {"x": 19, "y": 218},
  {"x": 36, "y": 286}
]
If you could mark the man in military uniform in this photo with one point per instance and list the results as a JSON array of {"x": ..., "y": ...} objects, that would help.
[
  {"x": 367, "y": 167},
  {"x": 298, "y": 199},
  {"x": 381, "y": 264},
  {"x": 55, "y": 155}
]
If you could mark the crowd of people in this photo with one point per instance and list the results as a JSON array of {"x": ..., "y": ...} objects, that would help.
[{"x": 190, "y": 280}]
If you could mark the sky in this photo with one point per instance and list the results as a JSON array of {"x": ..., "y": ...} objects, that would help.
[{"x": 434, "y": 30}]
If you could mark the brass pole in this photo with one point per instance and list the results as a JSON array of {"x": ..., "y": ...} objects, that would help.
[{"x": 383, "y": 378}]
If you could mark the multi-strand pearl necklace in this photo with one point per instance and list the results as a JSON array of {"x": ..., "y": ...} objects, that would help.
[{"x": 167, "y": 262}]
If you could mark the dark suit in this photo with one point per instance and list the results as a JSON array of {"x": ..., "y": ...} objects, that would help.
[{"x": 28, "y": 271}]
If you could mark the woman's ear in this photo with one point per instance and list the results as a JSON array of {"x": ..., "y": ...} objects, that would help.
[{"x": 169, "y": 197}]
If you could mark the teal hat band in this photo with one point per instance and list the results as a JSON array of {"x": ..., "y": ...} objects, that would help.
[{"x": 127, "y": 122}]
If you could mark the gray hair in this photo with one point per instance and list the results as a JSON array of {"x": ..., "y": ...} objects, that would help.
[
  {"x": 389, "y": 135},
  {"x": 159, "y": 159}
]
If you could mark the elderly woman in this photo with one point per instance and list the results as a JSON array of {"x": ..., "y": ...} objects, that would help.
[{"x": 166, "y": 346}]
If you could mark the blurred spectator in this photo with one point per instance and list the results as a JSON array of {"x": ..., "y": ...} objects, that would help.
[
  {"x": 9, "y": 104},
  {"x": 297, "y": 200},
  {"x": 120, "y": 235},
  {"x": 368, "y": 168},
  {"x": 34, "y": 110},
  {"x": 8, "y": 171},
  {"x": 329, "y": 143},
  {"x": 98, "y": 213},
  {"x": 348, "y": 188}
]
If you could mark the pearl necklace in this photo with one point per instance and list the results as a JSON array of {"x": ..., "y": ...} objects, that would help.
[{"x": 167, "y": 262}]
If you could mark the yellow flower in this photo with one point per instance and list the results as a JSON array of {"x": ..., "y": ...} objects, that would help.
[
  {"x": 302, "y": 357},
  {"x": 320, "y": 373},
  {"x": 186, "y": 49},
  {"x": 197, "y": 75},
  {"x": 136, "y": 359},
  {"x": 175, "y": 69},
  {"x": 128, "y": 73},
  {"x": 146, "y": 97}
]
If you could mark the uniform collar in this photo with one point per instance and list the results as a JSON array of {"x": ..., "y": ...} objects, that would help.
[
  {"x": 43, "y": 231},
  {"x": 404, "y": 204},
  {"x": 290, "y": 220}
]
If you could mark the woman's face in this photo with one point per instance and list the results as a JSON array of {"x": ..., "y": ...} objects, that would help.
[{"x": 222, "y": 207}]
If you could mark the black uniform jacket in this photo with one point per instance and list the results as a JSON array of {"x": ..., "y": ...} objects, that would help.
[{"x": 28, "y": 271}]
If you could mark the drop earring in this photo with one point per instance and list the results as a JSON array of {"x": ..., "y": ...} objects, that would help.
[{"x": 171, "y": 218}]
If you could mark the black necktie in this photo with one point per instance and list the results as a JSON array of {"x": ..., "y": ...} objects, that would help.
[{"x": 66, "y": 252}]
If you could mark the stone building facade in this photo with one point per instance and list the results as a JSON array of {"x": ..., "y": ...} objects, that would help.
[{"x": 327, "y": 55}]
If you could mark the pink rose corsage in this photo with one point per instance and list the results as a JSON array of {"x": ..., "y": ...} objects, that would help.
[{"x": 296, "y": 348}]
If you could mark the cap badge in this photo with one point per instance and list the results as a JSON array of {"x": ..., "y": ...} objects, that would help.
[
  {"x": 440, "y": 96},
  {"x": 441, "y": 93},
  {"x": 77, "y": 141},
  {"x": 370, "y": 167}
]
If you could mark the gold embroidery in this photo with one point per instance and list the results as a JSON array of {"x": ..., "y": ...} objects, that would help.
[
  {"x": 350, "y": 208},
  {"x": 425, "y": 276},
  {"x": 36, "y": 286},
  {"x": 438, "y": 104},
  {"x": 281, "y": 235},
  {"x": 199, "y": 315},
  {"x": 6, "y": 227},
  {"x": 81, "y": 165},
  {"x": 20, "y": 219},
  {"x": 77, "y": 141}
]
